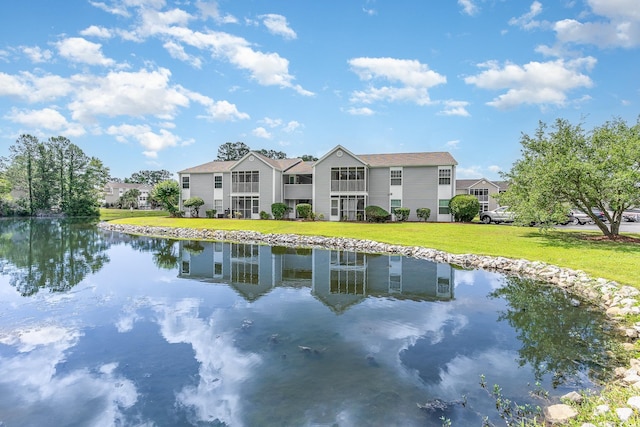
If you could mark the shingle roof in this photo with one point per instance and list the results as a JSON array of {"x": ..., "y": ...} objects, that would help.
[
  {"x": 215, "y": 166},
  {"x": 408, "y": 159},
  {"x": 129, "y": 185},
  {"x": 302, "y": 168},
  {"x": 466, "y": 183}
]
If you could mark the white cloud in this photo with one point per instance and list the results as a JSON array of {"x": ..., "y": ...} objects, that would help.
[
  {"x": 601, "y": 34},
  {"x": 47, "y": 118},
  {"x": 278, "y": 25},
  {"x": 210, "y": 10},
  {"x": 261, "y": 132},
  {"x": 133, "y": 94},
  {"x": 153, "y": 142},
  {"x": 537, "y": 83},
  {"x": 527, "y": 20},
  {"x": 96, "y": 31},
  {"x": 455, "y": 108},
  {"x": 225, "y": 111},
  {"x": 36, "y": 54},
  {"x": 468, "y": 7},
  {"x": 453, "y": 144},
  {"x": 413, "y": 77},
  {"x": 77, "y": 49},
  {"x": 177, "y": 51},
  {"x": 272, "y": 123},
  {"x": 362, "y": 111},
  {"x": 292, "y": 126},
  {"x": 494, "y": 168},
  {"x": 268, "y": 69},
  {"x": 469, "y": 172},
  {"x": 33, "y": 88}
]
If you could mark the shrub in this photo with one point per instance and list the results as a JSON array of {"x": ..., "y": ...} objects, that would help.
[
  {"x": 402, "y": 214},
  {"x": 211, "y": 213},
  {"x": 237, "y": 214},
  {"x": 304, "y": 210},
  {"x": 464, "y": 207},
  {"x": 194, "y": 204},
  {"x": 423, "y": 213},
  {"x": 320, "y": 216},
  {"x": 376, "y": 214},
  {"x": 279, "y": 210},
  {"x": 265, "y": 215}
]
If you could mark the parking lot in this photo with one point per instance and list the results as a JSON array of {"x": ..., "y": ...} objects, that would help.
[{"x": 625, "y": 227}]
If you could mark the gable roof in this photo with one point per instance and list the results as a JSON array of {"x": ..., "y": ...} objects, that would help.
[
  {"x": 336, "y": 148},
  {"x": 209, "y": 167},
  {"x": 463, "y": 184},
  {"x": 441, "y": 158}
]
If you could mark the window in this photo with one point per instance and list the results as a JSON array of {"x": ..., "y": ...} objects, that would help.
[
  {"x": 217, "y": 205},
  {"x": 444, "y": 176},
  {"x": 396, "y": 176},
  {"x": 185, "y": 182},
  {"x": 395, "y": 203},
  {"x": 443, "y": 207},
  {"x": 217, "y": 181},
  {"x": 334, "y": 207},
  {"x": 245, "y": 182},
  {"x": 482, "y": 194},
  {"x": 347, "y": 179}
]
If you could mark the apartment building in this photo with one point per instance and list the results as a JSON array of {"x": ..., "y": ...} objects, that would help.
[{"x": 339, "y": 185}]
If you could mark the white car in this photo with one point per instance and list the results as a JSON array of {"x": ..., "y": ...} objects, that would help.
[{"x": 502, "y": 214}]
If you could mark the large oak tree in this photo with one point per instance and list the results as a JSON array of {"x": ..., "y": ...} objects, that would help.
[{"x": 566, "y": 167}]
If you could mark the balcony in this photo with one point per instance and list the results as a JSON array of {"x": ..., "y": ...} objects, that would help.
[
  {"x": 298, "y": 191},
  {"x": 347, "y": 185}
]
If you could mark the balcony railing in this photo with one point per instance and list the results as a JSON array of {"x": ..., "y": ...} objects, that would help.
[
  {"x": 345, "y": 186},
  {"x": 245, "y": 187},
  {"x": 298, "y": 191}
]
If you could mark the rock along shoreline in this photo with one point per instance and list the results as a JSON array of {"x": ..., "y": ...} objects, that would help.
[{"x": 616, "y": 300}]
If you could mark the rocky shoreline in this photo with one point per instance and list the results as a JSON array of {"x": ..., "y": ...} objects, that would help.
[{"x": 616, "y": 300}]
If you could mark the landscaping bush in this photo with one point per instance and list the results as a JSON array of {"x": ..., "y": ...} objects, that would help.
[
  {"x": 304, "y": 210},
  {"x": 402, "y": 214},
  {"x": 265, "y": 215},
  {"x": 279, "y": 210},
  {"x": 464, "y": 207},
  {"x": 211, "y": 213},
  {"x": 194, "y": 204},
  {"x": 423, "y": 213},
  {"x": 376, "y": 214}
]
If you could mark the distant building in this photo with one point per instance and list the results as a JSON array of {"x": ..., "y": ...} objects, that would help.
[
  {"x": 114, "y": 190},
  {"x": 483, "y": 189},
  {"x": 339, "y": 185}
]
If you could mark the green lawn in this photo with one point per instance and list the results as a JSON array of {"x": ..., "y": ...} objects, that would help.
[
  {"x": 109, "y": 214},
  {"x": 611, "y": 260}
]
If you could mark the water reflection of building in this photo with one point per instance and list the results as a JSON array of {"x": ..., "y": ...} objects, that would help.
[{"x": 340, "y": 279}]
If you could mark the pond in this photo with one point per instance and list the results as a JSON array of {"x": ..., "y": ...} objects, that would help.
[{"x": 100, "y": 328}]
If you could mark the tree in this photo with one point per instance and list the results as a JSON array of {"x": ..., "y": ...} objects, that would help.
[
  {"x": 129, "y": 199},
  {"x": 21, "y": 171},
  {"x": 167, "y": 194},
  {"x": 273, "y": 154},
  {"x": 464, "y": 207},
  {"x": 232, "y": 151},
  {"x": 308, "y": 158},
  {"x": 194, "y": 204},
  {"x": 149, "y": 177},
  {"x": 567, "y": 167}
]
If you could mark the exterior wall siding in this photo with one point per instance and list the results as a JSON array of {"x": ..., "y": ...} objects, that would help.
[
  {"x": 266, "y": 180},
  {"x": 202, "y": 186},
  {"x": 379, "y": 187},
  {"x": 322, "y": 180},
  {"x": 420, "y": 190}
]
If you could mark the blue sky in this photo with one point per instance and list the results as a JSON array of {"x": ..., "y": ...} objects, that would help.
[{"x": 155, "y": 84}]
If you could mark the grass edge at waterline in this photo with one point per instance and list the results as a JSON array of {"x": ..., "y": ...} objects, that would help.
[{"x": 611, "y": 260}]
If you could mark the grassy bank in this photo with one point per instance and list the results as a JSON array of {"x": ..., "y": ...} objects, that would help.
[
  {"x": 611, "y": 260},
  {"x": 110, "y": 214}
]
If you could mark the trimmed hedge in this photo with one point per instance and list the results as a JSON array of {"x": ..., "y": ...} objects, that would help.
[{"x": 376, "y": 214}]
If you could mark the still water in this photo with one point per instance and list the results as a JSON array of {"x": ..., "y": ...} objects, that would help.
[{"x": 102, "y": 329}]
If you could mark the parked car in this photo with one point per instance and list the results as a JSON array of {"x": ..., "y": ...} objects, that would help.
[
  {"x": 631, "y": 215},
  {"x": 502, "y": 214},
  {"x": 578, "y": 217}
]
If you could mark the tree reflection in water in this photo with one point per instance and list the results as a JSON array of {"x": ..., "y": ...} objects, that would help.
[
  {"x": 53, "y": 254},
  {"x": 559, "y": 334}
]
